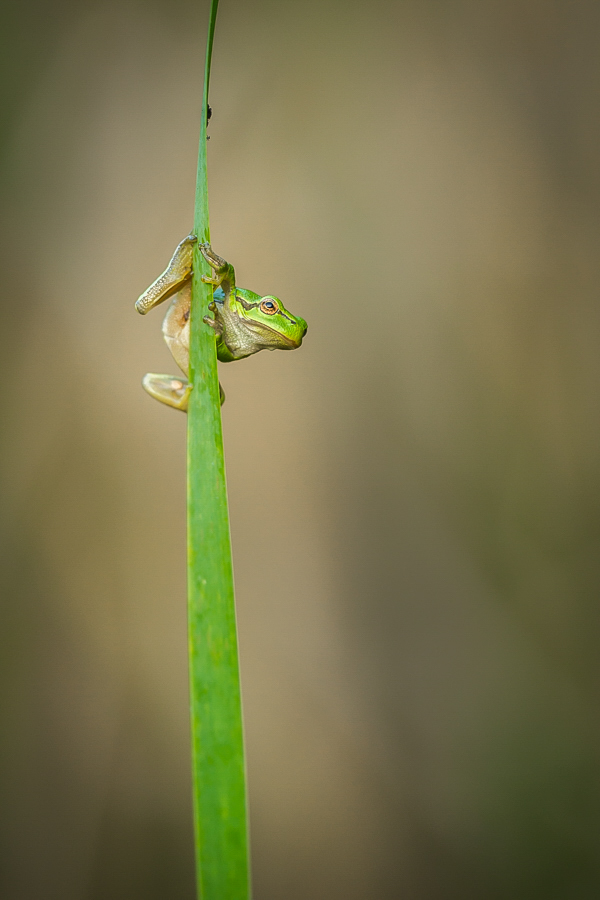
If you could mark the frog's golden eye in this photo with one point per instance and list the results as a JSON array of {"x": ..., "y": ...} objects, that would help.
[{"x": 270, "y": 307}]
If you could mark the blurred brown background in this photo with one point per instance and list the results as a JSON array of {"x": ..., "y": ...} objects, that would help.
[{"x": 414, "y": 494}]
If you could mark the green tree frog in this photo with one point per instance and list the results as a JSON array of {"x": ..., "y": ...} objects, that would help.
[{"x": 244, "y": 322}]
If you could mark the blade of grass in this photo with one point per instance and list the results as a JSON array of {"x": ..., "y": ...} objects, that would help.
[{"x": 220, "y": 817}]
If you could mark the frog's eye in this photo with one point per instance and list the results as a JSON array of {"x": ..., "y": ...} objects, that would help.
[{"x": 270, "y": 307}]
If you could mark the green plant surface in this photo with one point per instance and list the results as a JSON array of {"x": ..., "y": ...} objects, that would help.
[{"x": 219, "y": 783}]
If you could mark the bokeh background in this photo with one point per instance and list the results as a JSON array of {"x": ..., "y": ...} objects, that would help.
[{"x": 414, "y": 494}]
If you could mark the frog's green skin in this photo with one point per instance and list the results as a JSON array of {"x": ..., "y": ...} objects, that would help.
[{"x": 244, "y": 322}]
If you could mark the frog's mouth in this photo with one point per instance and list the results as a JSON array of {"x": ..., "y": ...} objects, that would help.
[{"x": 283, "y": 342}]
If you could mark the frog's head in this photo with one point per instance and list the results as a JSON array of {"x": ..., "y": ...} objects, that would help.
[{"x": 273, "y": 326}]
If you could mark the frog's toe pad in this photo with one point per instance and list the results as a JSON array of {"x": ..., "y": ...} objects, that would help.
[
  {"x": 216, "y": 262},
  {"x": 168, "y": 389}
]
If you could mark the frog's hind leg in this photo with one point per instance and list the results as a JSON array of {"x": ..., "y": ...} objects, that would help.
[
  {"x": 172, "y": 279},
  {"x": 173, "y": 391},
  {"x": 168, "y": 389}
]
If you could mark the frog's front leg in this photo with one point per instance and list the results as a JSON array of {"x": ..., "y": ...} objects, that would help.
[
  {"x": 173, "y": 391},
  {"x": 177, "y": 273},
  {"x": 215, "y": 324},
  {"x": 224, "y": 272}
]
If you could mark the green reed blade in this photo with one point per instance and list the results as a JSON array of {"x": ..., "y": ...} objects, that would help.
[{"x": 219, "y": 784}]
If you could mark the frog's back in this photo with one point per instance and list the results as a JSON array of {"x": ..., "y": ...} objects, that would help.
[
  {"x": 240, "y": 293},
  {"x": 248, "y": 296}
]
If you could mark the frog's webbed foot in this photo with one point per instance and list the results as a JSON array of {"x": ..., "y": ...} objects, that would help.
[
  {"x": 224, "y": 271},
  {"x": 172, "y": 279},
  {"x": 173, "y": 391},
  {"x": 168, "y": 389}
]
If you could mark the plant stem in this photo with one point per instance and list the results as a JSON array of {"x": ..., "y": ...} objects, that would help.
[{"x": 218, "y": 768}]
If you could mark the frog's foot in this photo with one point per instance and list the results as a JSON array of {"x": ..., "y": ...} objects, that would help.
[
  {"x": 216, "y": 326},
  {"x": 168, "y": 389},
  {"x": 224, "y": 273},
  {"x": 173, "y": 391},
  {"x": 172, "y": 279},
  {"x": 215, "y": 262}
]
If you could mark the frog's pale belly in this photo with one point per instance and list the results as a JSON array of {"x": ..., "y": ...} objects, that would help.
[{"x": 176, "y": 327}]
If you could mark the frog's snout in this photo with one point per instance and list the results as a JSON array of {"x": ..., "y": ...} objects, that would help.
[{"x": 301, "y": 333}]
